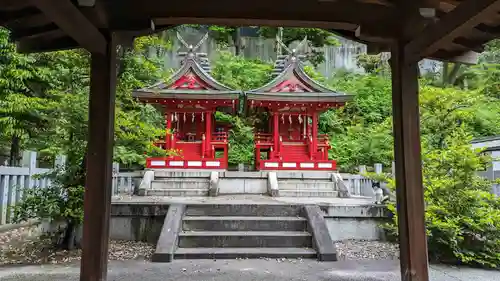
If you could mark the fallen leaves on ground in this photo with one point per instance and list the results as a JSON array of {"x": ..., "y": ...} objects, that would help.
[{"x": 25, "y": 246}]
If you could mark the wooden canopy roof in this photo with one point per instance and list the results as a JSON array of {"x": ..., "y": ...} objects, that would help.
[
  {"x": 190, "y": 81},
  {"x": 293, "y": 84},
  {"x": 464, "y": 25}
]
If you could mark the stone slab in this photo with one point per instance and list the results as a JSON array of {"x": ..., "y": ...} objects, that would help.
[
  {"x": 244, "y": 239},
  {"x": 235, "y": 223},
  {"x": 322, "y": 240},
  {"x": 358, "y": 211},
  {"x": 319, "y": 175},
  {"x": 167, "y": 243},
  {"x": 239, "y": 253},
  {"x": 242, "y": 185}
]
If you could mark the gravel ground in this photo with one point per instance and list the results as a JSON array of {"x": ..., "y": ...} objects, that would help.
[
  {"x": 25, "y": 246},
  {"x": 367, "y": 250}
]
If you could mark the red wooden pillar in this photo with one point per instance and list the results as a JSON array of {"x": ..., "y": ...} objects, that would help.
[
  {"x": 315, "y": 133},
  {"x": 409, "y": 191},
  {"x": 306, "y": 122},
  {"x": 97, "y": 197},
  {"x": 276, "y": 134},
  {"x": 168, "y": 117},
  {"x": 257, "y": 158},
  {"x": 208, "y": 133}
]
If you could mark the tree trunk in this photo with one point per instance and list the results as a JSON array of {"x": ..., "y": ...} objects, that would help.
[
  {"x": 68, "y": 241},
  {"x": 14, "y": 151},
  {"x": 236, "y": 36}
]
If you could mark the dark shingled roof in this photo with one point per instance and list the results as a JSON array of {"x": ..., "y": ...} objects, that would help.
[{"x": 192, "y": 63}]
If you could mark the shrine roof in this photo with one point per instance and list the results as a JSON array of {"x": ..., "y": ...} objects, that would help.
[
  {"x": 191, "y": 81},
  {"x": 291, "y": 83}
]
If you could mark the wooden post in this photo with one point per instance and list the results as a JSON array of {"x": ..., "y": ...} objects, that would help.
[
  {"x": 97, "y": 199},
  {"x": 276, "y": 134},
  {"x": 315, "y": 133},
  {"x": 362, "y": 169},
  {"x": 208, "y": 133},
  {"x": 29, "y": 160},
  {"x": 410, "y": 192},
  {"x": 168, "y": 117}
]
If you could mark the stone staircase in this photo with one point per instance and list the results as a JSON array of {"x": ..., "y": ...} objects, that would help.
[
  {"x": 315, "y": 185},
  {"x": 173, "y": 183},
  {"x": 241, "y": 231}
]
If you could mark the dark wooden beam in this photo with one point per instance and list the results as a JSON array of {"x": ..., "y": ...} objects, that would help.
[
  {"x": 28, "y": 21},
  {"x": 74, "y": 23},
  {"x": 251, "y": 22},
  {"x": 409, "y": 187},
  {"x": 52, "y": 42},
  {"x": 493, "y": 31},
  {"x": 19, "y": 34},
  {"x": 462, "y": 57},
  {"x": 10, "y": 16},
  {"x": 285, "y": 10},
  {"x": 476, "y": 46},
  {"x": 97, "y": 197},
  {"x": 15, "y": 4},
  {"x": 467, "y": 15}
]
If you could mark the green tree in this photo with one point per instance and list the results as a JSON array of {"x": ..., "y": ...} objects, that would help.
[
  {"x": 240, "y": 73},
  {"x": 462, "y": 216},
  {"x": 24, "y": 99},
  {"x": 137, "y": 126}
]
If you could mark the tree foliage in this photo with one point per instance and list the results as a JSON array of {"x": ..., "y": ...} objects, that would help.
[{"x": 462, "y": 216}]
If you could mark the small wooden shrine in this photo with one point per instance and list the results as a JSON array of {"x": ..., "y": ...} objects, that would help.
[
  {"x": 189, "y": 100},
  {"x": 292, "y": 102}
]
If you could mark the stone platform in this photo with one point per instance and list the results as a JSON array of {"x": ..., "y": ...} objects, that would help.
[
  {"x": 249, "y": 226},
  {"x": 168, "y": 182}
]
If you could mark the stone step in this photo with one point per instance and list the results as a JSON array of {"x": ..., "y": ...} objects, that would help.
[
  {"x": 177, "y": 192},
  {"x": 199, "y": 223},
  {"x": 261, "y": 210},
  {"x": 165, "y": 174},
  {"x": 247, "y": 239},
  {"x": 233, "y": 253},
  {"x": 305, "y": 184},
  {"x": 308, "y": 193},
  {"x": 196, "y": 183}
]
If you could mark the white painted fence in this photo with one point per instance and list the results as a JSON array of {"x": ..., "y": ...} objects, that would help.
[{"x": 14, "y": 180}]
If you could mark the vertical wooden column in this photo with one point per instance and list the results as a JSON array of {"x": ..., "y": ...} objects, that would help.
[
  {"x": 97, "y": 198},
  {"x": 208, "y": 133},
  {"x": 276, "y": 133},
  {"x": 315, "y": 132},
  {"x": 168, "y": 119},
  {"x": 410, "y": 193}
]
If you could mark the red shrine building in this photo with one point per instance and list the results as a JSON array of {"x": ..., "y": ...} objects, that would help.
[
  {"x": 292, "y": 102},
  {"x": 189, "y": 100}
]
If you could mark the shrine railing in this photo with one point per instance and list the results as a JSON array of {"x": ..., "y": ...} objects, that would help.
[
  {"x": 160, "y": 144},
  {"x": 323, "y": 140},
  {"x": 220, "y": 137},
  {"x": 263, "y": 138}
]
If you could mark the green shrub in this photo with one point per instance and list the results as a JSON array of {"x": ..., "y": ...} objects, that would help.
[{"x": 462, "y": 216}]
